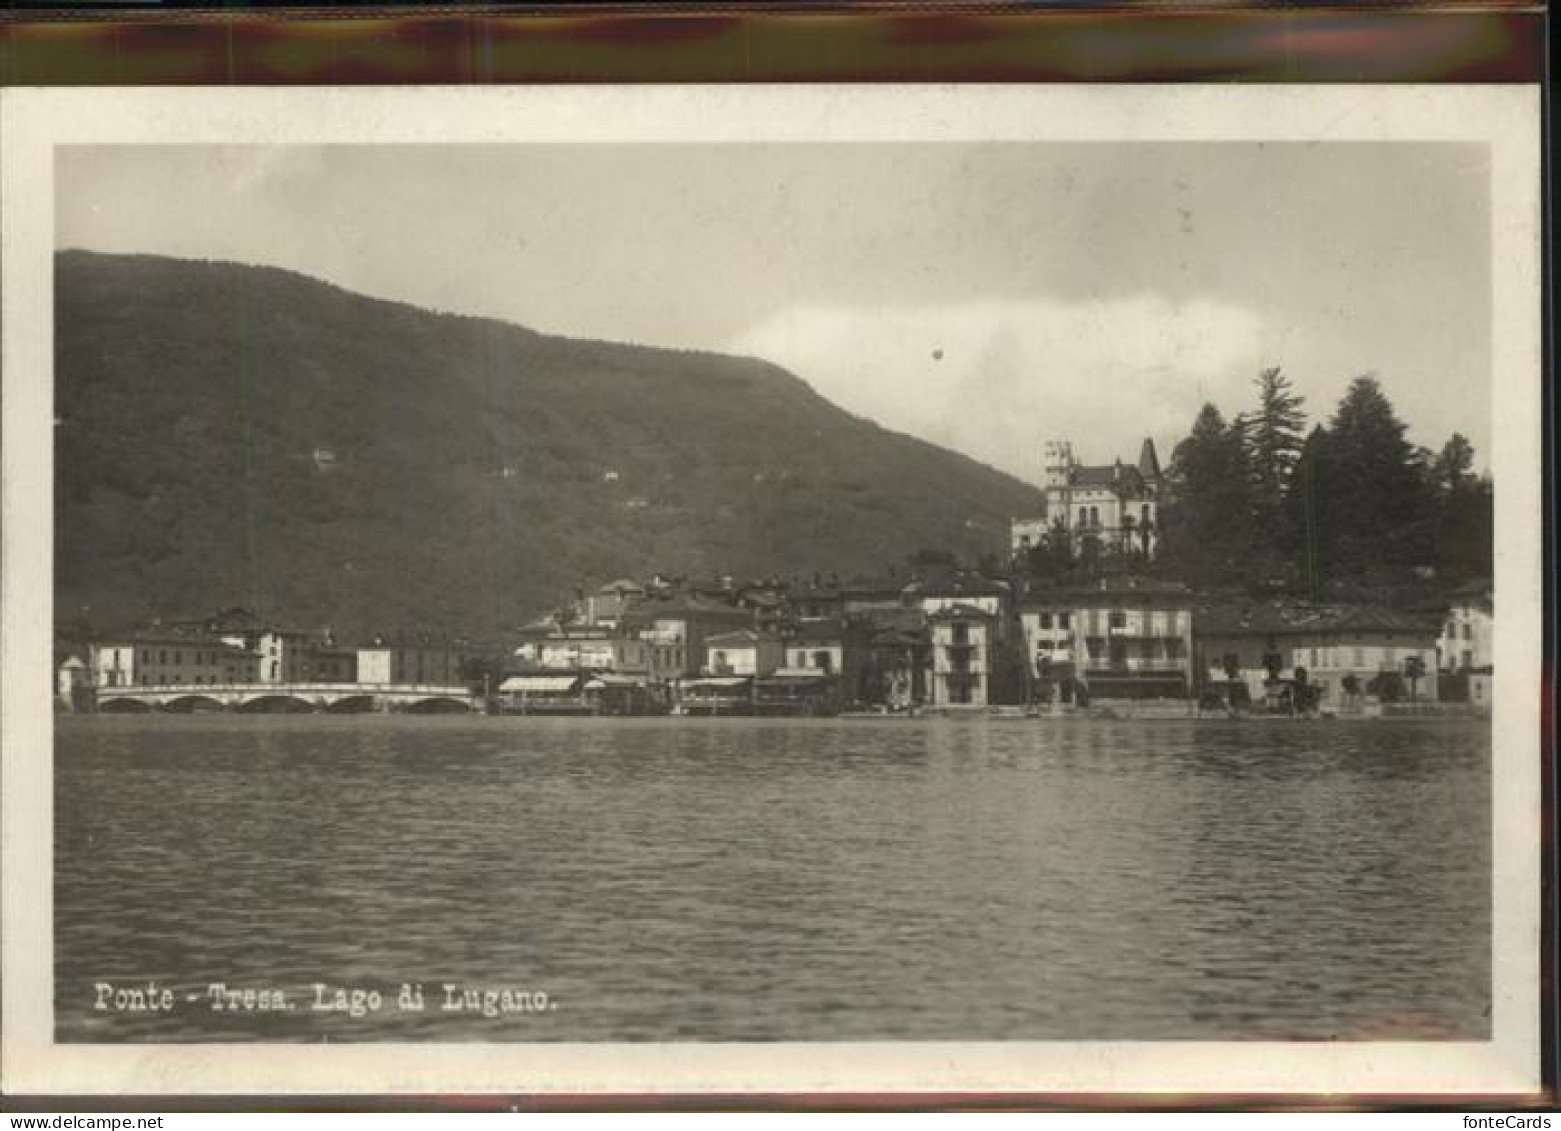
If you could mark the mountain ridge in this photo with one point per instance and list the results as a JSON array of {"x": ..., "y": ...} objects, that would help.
[{"x": 236, "y": 434}]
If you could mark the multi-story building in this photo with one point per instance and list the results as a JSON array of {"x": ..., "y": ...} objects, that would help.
[
  {"x": 962, "y": 589},
  {"x": 1115, "y": 504},
  {"x": 895, "y": 658},
  {"x": 1468, "y": 631},
  {"x": 148, "y": 660},
  {"x": 585, "y": 650},
  {"x": 743, "y": 653},
  {"x": 1121, "y": 638},
  {"x": 605, "y": 607},
  {"x": 818, "y": 646},
  {"x": 674, "y": 632},
  {"x": 409, "y": 661},
  {"x": 1346, "y": 653},
  {"x": 963, "y": 646}
]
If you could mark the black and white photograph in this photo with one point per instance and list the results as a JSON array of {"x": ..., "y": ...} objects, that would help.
[{"x": 1042, "y": 575}]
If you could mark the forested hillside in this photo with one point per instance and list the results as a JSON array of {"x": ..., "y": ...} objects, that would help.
[{"x": 239, "y": 435}]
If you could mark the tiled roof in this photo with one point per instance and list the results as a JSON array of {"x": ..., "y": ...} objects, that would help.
[
  {"x": 959, "y": 585},
  {"x": 1114, "y": 590},
  {"x": 1120, "y": 477},
  {"x": 683, "y": 606},
  {"x": 961, "y": 612},
  {"x": 1278, "y": 620},
  {"x": 743, "y": 636}
]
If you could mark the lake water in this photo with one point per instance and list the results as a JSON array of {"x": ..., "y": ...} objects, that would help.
[{"x": 740, "y": 879}]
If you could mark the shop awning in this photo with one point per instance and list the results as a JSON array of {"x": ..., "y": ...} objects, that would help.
[{"x": 530, "y": 684}]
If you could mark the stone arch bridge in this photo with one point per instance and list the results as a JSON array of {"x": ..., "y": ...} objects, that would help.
[{"x": 289, "y": 698}]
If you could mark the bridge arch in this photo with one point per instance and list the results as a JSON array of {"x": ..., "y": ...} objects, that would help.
[
  {"x": 351, "y": 705},
  {"x": 124, "y": 705},
  {"x": 188, "y": 704},
  {"x": 438, "y": 705},
  {"x": 276, "y": 704}
]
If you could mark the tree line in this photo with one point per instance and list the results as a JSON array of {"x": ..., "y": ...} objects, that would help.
[
  {"x": 1271, "y": 503},
  {"x": 1350, "y": 507}
]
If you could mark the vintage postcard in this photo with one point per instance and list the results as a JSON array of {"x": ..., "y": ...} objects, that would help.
[{"x": 822, "y": 589}]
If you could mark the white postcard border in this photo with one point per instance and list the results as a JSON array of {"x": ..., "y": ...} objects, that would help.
[{"x": 34, "y": 121}]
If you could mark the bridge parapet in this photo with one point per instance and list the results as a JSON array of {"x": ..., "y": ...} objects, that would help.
[{"x": 302, "y": 696}]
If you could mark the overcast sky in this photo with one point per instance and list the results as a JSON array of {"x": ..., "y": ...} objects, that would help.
[{"x": 983, "y": 296}]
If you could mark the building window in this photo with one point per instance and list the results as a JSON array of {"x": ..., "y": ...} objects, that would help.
[
  {"x": 1118, "y": 619},
  {"x": 146, "y": 655},
  {"x": 1064, "y": 620},
  {"x": 1173, "y": 647},
  {"x": 1046, "y": 620},
  {"x": 961, "y": 634},
  {"x": 1466, "y": 631},
  {"x": 1096, "y": 646},
  {"x": 823, "y": 662}
]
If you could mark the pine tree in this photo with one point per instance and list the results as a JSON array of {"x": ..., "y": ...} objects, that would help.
[
  {"x": 1362, "y": 499},
  {"x": 1462, "y": 513},
  {"x": 1274, "y": 437},
  {"x": 1207, "y": 528}
]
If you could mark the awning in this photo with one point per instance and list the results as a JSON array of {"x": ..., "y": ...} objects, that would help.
[
  {"x": 799, "y": 674},
  {"x": 716, "y": 682},
  {"x": 602, "y": 682},
  {"x": 526, "y": 684}
]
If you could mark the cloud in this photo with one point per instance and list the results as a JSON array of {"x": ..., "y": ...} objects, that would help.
[{"x": 995, "y": 379}]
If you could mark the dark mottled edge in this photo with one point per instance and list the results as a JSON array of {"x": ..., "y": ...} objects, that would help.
[
  {"x": 139, "y": 45},
  {"x": 1498, "y": 41}
]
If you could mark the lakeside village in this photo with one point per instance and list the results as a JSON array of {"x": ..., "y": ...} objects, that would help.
[{"x": 945, "y": 640}]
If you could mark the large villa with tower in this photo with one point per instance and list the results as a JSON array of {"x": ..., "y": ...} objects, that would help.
[{"x": 1116, "y": 503}]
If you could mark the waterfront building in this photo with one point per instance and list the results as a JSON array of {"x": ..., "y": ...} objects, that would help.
[
  {"x": 286, "y": 655},
  {"x": 1115, "y": 504},
  {"x": 543, "y": 693},
  {"x": 743, "y": 653},
  {"x": 588, "y": 649},
  {"x": 328, "y": 663},
  {"x": 606, "y": 606},
  {"x": 1121, "y": 638},
  {"x": 898, "y": 662},
  {"x": 170, "y": 660},
  {"x": 1468, "y": 631},
  {"x": 1346, "y": 653},
  {"x": 963, "y": 589},
  {"x": 963, "y": 646},
  {"x": 674, "y": 631},
  {"x": 408, "y": 660},
  {"x": 817, "y": 646}
]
